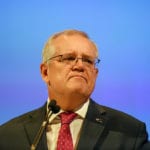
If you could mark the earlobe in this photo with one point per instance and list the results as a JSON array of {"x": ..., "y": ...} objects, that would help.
[{"x": 96, "y": 69}]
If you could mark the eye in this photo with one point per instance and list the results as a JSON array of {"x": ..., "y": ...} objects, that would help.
[
  {"x": 68, "y": 58},
  {"x": 87, "y": 60}
]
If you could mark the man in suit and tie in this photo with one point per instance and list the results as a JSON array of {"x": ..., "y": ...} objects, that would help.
[{"x": 69, "y": 69}]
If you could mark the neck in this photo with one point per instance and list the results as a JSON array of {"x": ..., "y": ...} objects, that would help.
[{"x": 69, "y": 103}]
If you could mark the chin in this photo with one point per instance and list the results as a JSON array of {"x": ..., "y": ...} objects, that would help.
[
  {"x": 80, "y": 80},
  {"x": 78, "y": 87},
  {"x": 78, "y": 90}
]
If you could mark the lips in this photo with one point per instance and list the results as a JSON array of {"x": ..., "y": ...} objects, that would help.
[{"x": 78, "y": 76}]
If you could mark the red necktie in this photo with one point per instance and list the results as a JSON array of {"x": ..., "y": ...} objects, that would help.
[{"x": 64, "y": 138}]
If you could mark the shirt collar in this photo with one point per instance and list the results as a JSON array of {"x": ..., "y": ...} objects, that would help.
[{"x": 81, "y": 112}]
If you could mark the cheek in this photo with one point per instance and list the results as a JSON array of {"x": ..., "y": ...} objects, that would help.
[
  {"x": 57, "y": 76},
  {"x": 92, "y": 79}
]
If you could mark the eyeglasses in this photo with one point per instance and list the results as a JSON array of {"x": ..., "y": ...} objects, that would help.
[{"x": 72, "y": 59}]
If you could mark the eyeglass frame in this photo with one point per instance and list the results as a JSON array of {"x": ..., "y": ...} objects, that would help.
[{"x": 89, "y": 62}]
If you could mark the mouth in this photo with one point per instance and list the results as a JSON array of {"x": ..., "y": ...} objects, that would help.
[{"x": 78, "y": 77}]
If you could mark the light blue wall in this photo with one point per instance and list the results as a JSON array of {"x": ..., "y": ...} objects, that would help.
[{"x": 120, "y": 28}]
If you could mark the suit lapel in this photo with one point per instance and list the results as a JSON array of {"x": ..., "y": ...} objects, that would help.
[
  {"x": 33, "y": 125},
  {"x": 94, "y": 123},
  {"x": 93, "y": 127}
]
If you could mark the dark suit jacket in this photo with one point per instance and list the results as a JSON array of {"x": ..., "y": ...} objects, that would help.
[{"x": 103, "y": 129}]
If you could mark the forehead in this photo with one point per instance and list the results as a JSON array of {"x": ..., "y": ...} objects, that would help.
[{"x": 74, "y": 44}]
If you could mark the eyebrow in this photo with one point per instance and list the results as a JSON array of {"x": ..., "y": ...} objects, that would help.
[{"x": 83, "y": 55}]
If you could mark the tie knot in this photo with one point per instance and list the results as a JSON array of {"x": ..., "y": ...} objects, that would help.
[{"x": 67, "y": 117}]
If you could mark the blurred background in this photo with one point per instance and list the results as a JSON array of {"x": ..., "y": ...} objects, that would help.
[{"x": 121, "y": 30}]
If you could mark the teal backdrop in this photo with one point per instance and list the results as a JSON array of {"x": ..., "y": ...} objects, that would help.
[{"x": 121, "y": 30}]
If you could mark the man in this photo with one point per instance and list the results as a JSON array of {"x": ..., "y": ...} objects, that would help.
[{"x": 69, "y": 70}]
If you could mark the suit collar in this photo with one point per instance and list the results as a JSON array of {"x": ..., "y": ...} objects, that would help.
[
  {"x": 93, "y": 126},
  {"x": 95, "y": 122},
  {"x": 33, "y": 124},
  {"x": 96, "y": 113}
]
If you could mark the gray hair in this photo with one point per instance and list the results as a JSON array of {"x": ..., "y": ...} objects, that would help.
[{"x": 49, "y": 48}]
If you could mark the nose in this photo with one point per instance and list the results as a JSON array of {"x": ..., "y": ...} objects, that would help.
[
  {"x": 78, "y": 60},
  {"x": 78, "y": 65}
]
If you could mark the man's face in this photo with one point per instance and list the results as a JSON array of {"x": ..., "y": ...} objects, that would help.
[{"x": 77, "y": 78}]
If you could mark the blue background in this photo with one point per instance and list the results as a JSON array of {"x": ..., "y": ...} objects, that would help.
[{"x": 121, "y": 30}]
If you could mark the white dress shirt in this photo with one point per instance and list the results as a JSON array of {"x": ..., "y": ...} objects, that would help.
[{"x": 75, "y": 127}]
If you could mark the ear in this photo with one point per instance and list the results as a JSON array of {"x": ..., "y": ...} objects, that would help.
[
  {"x": 44, "y": 72},
  {"x": 96, "y": 70}
]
